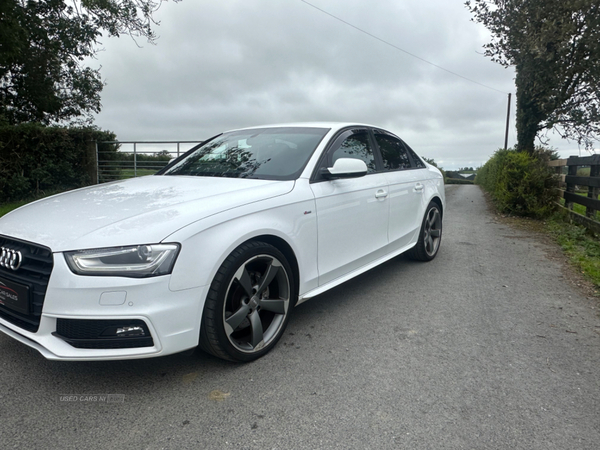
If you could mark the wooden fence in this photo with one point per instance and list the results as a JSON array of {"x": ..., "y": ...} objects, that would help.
[{"x": 573, "y": 185}]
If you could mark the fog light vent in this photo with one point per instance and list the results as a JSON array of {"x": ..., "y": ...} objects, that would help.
[
  {"x": 103, "y": 334},
  {"x": 130, "y": 332}
]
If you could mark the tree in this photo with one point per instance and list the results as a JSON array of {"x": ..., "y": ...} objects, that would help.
[
  {"x": 430, "y": 161},
  {"x": 554, "y": 46},
  {"x": 43, "y": 47}
]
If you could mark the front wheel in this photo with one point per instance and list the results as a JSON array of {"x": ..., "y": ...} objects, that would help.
[
  {"x": 249, "y": 303},
  {"x": 430, "y": 236}
]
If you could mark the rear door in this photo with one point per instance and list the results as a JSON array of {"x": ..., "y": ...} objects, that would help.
[{"x": 406, "y": 181}]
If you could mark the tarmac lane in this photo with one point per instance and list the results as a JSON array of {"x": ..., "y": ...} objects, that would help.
[{"x": 485, "y": 347}]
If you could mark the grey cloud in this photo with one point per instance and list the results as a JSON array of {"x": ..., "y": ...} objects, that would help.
[{"x": 228, "y": 64}]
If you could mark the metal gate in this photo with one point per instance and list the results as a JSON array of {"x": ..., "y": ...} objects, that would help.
[{"x": 118, "y": 160}]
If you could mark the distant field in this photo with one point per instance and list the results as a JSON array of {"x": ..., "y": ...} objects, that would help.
[
  {"x": 458, "y": 181},
  {"x": 583, "y": 172},
  {"x": 129, "y": 173}
]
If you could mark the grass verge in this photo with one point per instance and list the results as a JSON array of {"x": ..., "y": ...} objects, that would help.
[
  {"x": 579, "y": 245},
  {"x": 573, "y": 244}
]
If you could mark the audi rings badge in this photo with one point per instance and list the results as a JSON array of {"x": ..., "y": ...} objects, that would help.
[{"x": 10, "y": 259}]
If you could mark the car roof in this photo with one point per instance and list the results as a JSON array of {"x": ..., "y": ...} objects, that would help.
[{"x": 334, "y": 126}]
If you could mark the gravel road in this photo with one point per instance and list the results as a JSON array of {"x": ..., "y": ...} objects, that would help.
[{"x": 486, "y": 347}]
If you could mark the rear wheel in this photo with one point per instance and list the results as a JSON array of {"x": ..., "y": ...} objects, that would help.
[
  {"x": 430, "y": 236},
  {"x": 249, "y": 303}
]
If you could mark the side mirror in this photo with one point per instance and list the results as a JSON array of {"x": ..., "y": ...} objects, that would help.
[{"x": 345, "y": 168}]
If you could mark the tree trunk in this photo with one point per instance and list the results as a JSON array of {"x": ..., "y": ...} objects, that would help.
[
  {"x": 527, "y": 130},
  {"x": 529, "y": 115}
]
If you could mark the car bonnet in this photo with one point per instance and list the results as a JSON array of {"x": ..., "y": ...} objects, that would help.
[{"x": 138, "y": 211}]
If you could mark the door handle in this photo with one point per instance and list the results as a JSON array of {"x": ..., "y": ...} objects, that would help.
[
  {"x": 419, "y": 187},
  {"x": 381, "y": 194}
]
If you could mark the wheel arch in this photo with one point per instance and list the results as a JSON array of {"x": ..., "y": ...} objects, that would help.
[
  {"x": 438, "y": 201},
  {"x": 285, "y": 248}
]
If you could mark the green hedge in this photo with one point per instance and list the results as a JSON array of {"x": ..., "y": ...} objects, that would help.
[
  {"x": 36, "y": 160},
  {"x": 520, "y": 183}
]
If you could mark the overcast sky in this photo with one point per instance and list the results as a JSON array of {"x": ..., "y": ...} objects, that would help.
[{"x": 220, "y": 65}]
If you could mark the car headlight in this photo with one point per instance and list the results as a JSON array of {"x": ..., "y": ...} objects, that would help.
[{"x": 138, "y": 261}]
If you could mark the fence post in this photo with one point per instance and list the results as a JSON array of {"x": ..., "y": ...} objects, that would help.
[
  {"x": 134, "y": 160},
  {"x": 592, "y": 191},
  {"x": 570, "y": 186},
  {"x": 97, "y": 164},
  {"x": 92, "y": 161}
]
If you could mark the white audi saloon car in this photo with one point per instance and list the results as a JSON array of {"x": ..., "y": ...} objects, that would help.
[{"x": 216, "y": 249}]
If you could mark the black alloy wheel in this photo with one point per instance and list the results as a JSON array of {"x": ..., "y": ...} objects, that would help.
[
  {"x": 430, "y": 236},
  {"x": 249, "y": 303}
]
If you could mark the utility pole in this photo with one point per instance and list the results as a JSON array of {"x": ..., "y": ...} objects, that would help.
[{"x": 507, "y": 121}]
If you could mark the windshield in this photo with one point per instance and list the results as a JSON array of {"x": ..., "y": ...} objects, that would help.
[{"x": 265, "y": 153}]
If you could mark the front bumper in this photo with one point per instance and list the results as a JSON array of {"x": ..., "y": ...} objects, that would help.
[{"x": 172, "y": 317}]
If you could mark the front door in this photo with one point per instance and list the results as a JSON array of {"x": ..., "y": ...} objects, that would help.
[{"x": 352, "y": 213}]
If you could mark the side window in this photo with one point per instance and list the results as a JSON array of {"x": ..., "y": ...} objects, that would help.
[
  {"x": 356, "y": 146},
  {"x": 393, "y": 152},
  {"x": 418, "y": 161}
]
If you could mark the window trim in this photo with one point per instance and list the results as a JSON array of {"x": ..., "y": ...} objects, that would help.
[
  {"x": 410, "y": 160},
  {"x": 409, "y": 151},
  {"x": 335, "y": 142},
  {"x": 412, "y": 154},
  {"x": 316, "y": 177}
]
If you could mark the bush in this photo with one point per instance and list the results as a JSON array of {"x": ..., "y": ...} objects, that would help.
[
  {"x": 35, "y": 160},
  {"x": 520, "y": 183}
]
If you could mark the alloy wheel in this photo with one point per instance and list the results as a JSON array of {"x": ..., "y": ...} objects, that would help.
[{"x": 256, "y": 303}]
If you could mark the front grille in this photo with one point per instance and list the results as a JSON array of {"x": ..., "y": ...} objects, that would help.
[
  {"x": 101, "y": 334},
  {"x": 34, "y": 273}
]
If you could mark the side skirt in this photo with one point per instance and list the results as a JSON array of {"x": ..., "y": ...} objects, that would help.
[{"x": 333, "y": 283}]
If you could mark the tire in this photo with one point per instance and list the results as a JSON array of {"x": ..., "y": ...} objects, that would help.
[
  {"x": 249, "y": 303},
  {"x": 430, "y": 235}
]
